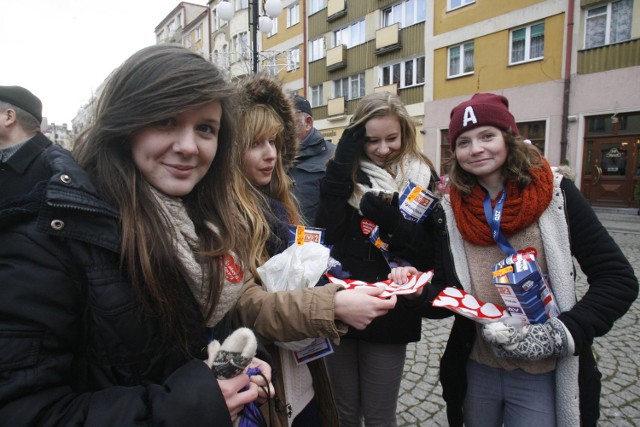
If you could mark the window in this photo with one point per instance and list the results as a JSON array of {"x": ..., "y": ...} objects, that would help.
[
  {"x": 351, "y": 87},
  {"x": 527, "y": 43},
  {"x": 242, "y": 4},
  {"x": 199, "y": 33},
  {"x": 460, "y": 60},
  {"x": 225, "y": 56},
  {"x": 608, "y": 24},
  {"x": 293, "y": 15},
  {"x": 215, "y": 20},
  {"x": 406, "y": 13},
  {"x": 455, "y": 4},
  {"x": 534, "y": 132},
  {"x": 315, "y": 6},
  {"x": 270, "y": 65},
  {"x": 316, "y": 49},
  {"x": 351, "y": 35},
  {"x": 293, "y": 59},
  {"x": 317, "y": 97},
  {"x": 405, "y": 74},
  {"x": 240, "y": 45},
  {"x": 274, "y": 27},
  {"x": 172, "y": 27}
]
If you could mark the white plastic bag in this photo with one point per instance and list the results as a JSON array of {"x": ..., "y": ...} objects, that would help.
[{"x": 297, "y": 267}]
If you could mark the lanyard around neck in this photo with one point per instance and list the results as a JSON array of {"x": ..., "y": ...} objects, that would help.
[{"x": 494, "y": 217}]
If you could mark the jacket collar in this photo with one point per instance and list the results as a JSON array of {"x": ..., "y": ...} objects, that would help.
[{"x": 26, "y": 154}]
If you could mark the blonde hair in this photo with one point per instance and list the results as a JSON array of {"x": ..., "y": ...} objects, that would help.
[
  {"x": 382, "y": 104},
  {"x": 262, "y": 121}
]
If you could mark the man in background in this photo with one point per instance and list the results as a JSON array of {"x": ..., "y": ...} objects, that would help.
[
  {"x": 22, "y": 145},
  {"x": 311, "y": 162}
]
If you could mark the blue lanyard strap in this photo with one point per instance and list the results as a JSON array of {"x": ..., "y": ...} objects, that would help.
[{"x": 494, "y": 216}]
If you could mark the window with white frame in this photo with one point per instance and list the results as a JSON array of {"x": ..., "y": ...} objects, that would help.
[
  {"x": 172, "y": 26},
  {"x": 351, "y": 35},
  {"x": 240, "y": 45},
  {"x": 274, "y": 27},
  {"x": 607, "y": 24},
  {"x": 406, "y": 13},
  {"x": 199, "y": 33},
  {"x": 293, "y": 59},
  {"x": 242, "y": 4},
  {"x": 215, "y": 20},
  {"x": 293, "y": 15},
  {"x": 225, "y": 56},
  {"x": 351, "y": 87},
  {"x": 460, "y": 60},
  {"x": 527, "y": 43},
  {"x": 405, "y": 74},
  {"x": 317, "y": 97},
  {"x": 316, "y": 49},
  {"x": 455, "y": 4},
  {"x": 315, "y": 6}
]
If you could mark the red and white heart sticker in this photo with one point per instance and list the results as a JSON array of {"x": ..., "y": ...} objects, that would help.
[
  {"x": 415, "y": 283},
  {"x": 467, "y": 305}
]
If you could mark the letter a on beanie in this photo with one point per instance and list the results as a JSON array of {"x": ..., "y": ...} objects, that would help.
[
  {"x": 469, "y": 116},
  {"x": 483, "y": 109}
]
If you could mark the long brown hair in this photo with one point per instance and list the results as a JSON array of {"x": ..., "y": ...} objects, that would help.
[
  {"x": 155, "y": 83},
  {"x": 521, "y": 158}
]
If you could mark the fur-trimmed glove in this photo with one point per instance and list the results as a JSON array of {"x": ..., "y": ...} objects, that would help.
[
  {"x": 385, "y": 215},
  {"x": 532, "y": 342}
]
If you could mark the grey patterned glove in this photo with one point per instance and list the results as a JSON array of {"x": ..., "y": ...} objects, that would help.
[{"x": 532, "y": 342}]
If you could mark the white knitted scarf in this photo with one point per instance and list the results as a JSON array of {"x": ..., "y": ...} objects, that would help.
[
  {"x": 186, "y": 245},
  {"x": 409, "y": 168}
]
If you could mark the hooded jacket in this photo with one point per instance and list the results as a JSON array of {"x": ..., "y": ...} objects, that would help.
[{"x": 77, "y": 347}]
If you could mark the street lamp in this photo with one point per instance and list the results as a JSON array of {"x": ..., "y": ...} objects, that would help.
[{"x": 262, "y": 23}]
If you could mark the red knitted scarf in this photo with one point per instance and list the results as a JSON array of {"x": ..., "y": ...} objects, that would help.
[{"x": 522, "y": 207}]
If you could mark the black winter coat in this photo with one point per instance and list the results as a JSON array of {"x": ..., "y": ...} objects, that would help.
[
  {"x": 76, "y": 347},
  {"x": 358, "y": 256},
  {"x": 25, "y": 168}
]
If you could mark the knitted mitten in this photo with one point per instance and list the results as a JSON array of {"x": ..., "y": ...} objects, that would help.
[{"x": 533, "y": 342}]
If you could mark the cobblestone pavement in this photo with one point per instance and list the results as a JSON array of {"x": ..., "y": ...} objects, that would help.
[{"x": 617, "y": 353}]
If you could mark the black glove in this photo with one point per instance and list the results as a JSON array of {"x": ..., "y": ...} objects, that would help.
[
  {"x": 385, "y": 215},
  {"x": 351, "y": 141}
]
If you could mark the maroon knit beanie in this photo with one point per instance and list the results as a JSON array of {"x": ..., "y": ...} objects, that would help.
[{"x": 483, "y": 109}]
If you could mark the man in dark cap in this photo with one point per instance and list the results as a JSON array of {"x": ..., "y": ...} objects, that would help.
[
  {"x": 311, "y": 162},
  {"x": 21, "y": 143}
]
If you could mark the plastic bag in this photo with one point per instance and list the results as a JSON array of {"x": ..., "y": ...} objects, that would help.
[{"x": 297, "y": 267}]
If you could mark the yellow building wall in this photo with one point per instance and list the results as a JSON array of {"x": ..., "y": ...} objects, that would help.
[
  {"x": 491, "y": 68},
  {"x": 479, "y": 11}
]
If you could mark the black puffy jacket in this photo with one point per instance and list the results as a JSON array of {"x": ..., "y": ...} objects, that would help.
[{"x": 76, "y": 348}]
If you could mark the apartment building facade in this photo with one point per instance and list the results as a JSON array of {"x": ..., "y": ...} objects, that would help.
[
  {"x": 360, "y": 47},
  {"x": 571, "y": 70}
]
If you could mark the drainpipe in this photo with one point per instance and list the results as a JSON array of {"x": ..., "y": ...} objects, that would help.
[
  {"x": 305, "y": 45},
  {"x": 567, "y": 85}
]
